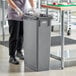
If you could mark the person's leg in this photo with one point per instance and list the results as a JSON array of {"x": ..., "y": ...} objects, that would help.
[
  {"x": 20, "y": 41},
  {"x": 13, "y": 28}
]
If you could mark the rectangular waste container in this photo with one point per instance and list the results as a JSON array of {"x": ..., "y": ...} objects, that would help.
[{"x": 37, "y": 42}]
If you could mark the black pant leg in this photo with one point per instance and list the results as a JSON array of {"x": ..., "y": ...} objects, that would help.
[
  {"x": 13, "y": 31},
  {"x": 20, "y": 37}
]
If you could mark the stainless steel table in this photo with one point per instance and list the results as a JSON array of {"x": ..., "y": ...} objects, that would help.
[{"x": 62, "y": 9}]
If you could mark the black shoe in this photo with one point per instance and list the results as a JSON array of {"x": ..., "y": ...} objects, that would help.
[
  {"x": 13, "y": 60},
  {"x": 20, "y": 55}
]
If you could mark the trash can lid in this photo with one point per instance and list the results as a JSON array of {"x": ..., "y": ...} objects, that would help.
[{"x": 36, "y": 17}]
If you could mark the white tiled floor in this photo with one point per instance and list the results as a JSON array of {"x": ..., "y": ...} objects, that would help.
[{"x": 7, "y": 69}]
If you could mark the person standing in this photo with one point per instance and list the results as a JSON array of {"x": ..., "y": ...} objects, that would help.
[{"x": 15, "y": 14}]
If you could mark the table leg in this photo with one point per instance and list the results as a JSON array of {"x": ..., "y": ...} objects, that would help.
[
  {"x": 62, "y": 39},
  {"x": 3, "y": 18}
]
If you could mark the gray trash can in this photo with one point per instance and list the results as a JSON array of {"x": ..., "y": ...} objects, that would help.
[{"x": 37, "y": 42}]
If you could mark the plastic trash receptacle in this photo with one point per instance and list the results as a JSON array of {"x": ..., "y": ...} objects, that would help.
[{"x": 37, "y": 42}]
